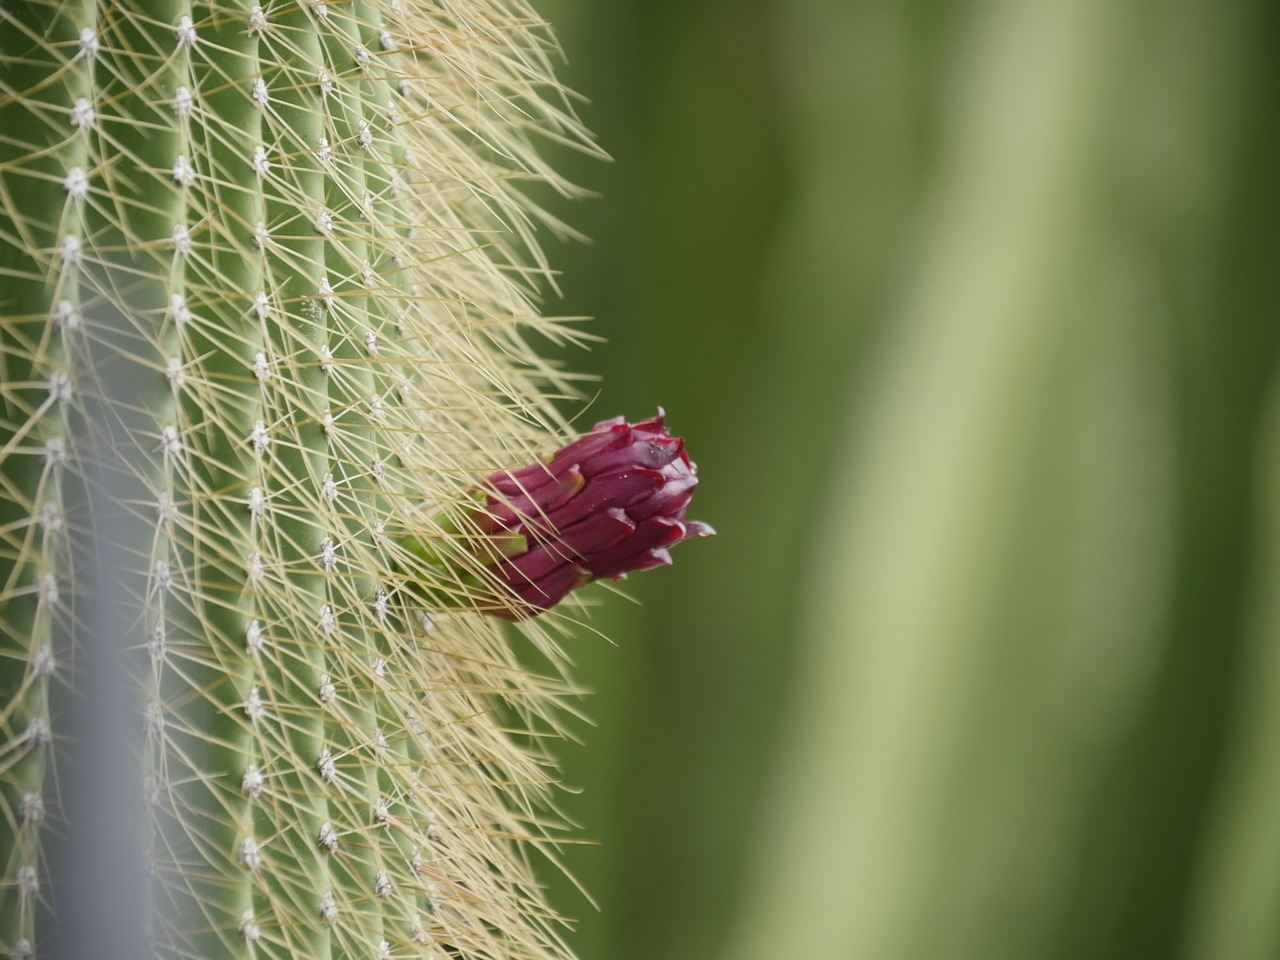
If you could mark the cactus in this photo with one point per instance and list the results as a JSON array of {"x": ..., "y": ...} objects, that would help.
[{"x": 267, "y": 283}]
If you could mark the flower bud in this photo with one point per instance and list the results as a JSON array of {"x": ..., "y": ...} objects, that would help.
[{"x": 614, "y": 500}]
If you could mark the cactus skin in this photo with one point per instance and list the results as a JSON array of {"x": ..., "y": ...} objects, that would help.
[{"x": 264, "y": 301}]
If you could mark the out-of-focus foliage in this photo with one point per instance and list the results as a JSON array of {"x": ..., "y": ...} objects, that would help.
[{"x": 970, "y": 313}]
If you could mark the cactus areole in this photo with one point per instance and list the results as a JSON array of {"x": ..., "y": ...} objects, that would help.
[{"x": 612, "y": 501}]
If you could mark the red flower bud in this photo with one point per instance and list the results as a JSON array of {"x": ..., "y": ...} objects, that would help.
[{"x": 614, "y": 500}]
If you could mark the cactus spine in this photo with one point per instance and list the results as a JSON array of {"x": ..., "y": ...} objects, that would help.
[{"x": 265, "y": 285}]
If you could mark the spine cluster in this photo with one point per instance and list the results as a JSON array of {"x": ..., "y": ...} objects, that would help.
[{"x": 267, "y": 282}]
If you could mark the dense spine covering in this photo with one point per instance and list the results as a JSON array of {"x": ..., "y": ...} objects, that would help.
[{"x": 264, "y": 296}]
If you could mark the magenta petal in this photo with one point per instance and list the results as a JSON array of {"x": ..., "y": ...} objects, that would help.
[
  {"x": 657, "y": 557},
  {"x": 609, "y": 424},
  {"x": 596, "y": 534},
  {"x": 555, "y": 586},
  {"x": 652, "y": 534},
  {"x": 652, "y": 454},
  {"x": 526, "y": 480},
  {"x": 530, "y": 567},
  {"x": 599, "y": 531},
  {"x": 612, "y": 438},
  {"x": 607, "y": 490},
  {"x": 655, "y": 425},
  {"x": 529, "y": 479},
  {"x": 671, "y": 501},
  {"x": 534, "y": 505}
]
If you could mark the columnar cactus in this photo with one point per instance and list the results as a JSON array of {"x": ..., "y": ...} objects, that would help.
[{"x": 265, "y": 282}]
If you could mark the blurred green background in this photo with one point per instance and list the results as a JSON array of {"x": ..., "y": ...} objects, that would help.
[{"x": 971, "y": 313}]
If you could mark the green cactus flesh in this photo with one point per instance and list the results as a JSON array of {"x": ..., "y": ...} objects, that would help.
[{"x": 266, "y": 283}]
